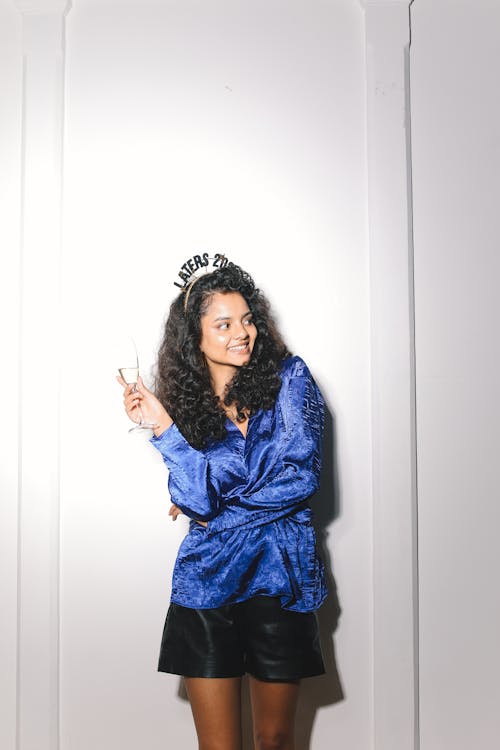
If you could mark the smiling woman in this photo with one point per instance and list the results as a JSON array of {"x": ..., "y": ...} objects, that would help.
[
  {"x": 205, "y": 372},
  {"x": 239, "y": 426}
]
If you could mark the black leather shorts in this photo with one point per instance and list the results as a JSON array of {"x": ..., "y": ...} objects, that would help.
[{"x": 256, "y": 636}]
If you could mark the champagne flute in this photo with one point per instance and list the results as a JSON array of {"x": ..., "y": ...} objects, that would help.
[{"x": 130, "y": 374}]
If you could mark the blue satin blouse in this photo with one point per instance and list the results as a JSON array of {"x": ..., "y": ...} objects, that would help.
[{"x": 253, "y": 492}]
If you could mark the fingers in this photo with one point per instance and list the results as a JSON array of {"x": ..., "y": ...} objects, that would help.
[
  {"x": 132, "y": 398},
  {"x": 132, "y": 402},
  {"x": 141, "y": 387},
  {"x": 174, "y": 512},
  {"x": 128, "y": 386},
  {"x": 133, "y": 391},
  {"x": 132, "y": 395}
]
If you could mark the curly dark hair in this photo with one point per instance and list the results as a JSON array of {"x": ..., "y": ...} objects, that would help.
[{"x": 182, "y": 379}]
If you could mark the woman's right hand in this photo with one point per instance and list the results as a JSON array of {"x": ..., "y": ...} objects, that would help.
[
  {"x": 143, "y": 400},
  {"x": 175, "y": 511}
]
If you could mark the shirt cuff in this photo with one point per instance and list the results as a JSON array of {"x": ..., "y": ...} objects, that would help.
[{"x": 170, "y": 440}]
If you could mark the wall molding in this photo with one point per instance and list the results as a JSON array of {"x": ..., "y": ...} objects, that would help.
[
  {"x": 37, "y": 719},
  {"x": 395, "y": 551}
]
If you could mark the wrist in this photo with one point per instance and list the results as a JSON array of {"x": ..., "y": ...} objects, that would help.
[{"x": 162, "y": 425}]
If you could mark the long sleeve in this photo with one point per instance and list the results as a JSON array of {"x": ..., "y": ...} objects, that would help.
[
  {"x": 296, "y": 474},
  {"x": 190, "y": 483}
]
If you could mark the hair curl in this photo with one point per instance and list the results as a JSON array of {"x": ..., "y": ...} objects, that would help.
[{"x": 182, "y": 378}]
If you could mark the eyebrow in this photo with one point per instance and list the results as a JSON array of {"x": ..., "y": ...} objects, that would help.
[{"x": 228, "y": 317}]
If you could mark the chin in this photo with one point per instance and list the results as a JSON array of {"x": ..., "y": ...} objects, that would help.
[
  {"x": 245, "y": 362},
  {"x": 241, "y": 361}
]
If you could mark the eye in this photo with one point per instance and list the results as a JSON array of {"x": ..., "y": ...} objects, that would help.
[
  {"x": 248, "y": 321},
  {"x": 223, "y": 326}
]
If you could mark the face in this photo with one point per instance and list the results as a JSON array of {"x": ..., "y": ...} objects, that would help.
[{"x": 227, "y": 331}]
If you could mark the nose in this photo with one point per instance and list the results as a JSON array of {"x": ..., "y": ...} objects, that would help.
[{"x": 241, "y": 332}]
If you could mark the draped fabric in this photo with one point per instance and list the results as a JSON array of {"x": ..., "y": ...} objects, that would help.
[{"x": 253, "y": 492}]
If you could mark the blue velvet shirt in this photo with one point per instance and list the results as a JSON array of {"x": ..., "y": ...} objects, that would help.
[{"x": 253, "y": 492}]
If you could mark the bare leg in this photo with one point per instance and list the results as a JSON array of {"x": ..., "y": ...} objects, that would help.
[
  {"x": 273, "y": 709},
  {"x": 216, "y": 708}
]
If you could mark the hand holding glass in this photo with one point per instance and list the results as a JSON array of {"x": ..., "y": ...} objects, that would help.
[
  {"x": 137, "y": 397},
  {"x": 130, "y": 376}
]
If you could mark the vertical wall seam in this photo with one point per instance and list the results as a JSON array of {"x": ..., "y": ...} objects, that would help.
[
  {"x": 22, "y": 161},
  {"x": 372, "y": 419},
  {"x": 62, "y": 100},
  {"x": 413, "y": 385}
]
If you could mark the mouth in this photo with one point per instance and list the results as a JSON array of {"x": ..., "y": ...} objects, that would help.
[{"x": 240, "y": 349}]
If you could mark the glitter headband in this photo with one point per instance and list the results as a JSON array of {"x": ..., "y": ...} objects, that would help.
[{"x": 195, "y": 268}]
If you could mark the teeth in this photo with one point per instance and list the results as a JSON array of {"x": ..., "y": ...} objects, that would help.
[{"x": 237, "y": 348}]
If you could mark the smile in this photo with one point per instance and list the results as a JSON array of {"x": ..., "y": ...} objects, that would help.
[{"x": 239, "y": 348}]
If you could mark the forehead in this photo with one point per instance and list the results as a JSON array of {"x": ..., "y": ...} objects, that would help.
[{"x": 229, "y": 305}]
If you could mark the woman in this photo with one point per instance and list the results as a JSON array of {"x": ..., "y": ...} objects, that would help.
[{"x": 239, "y": 425}]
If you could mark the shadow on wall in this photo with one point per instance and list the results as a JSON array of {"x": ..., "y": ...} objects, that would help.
[{"x": 326, "y": 689}]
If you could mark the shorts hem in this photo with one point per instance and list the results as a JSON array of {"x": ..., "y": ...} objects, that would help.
[
  {"x": 215, "y": 676},
  {"x": 287, "y": 678},
  {"x": 260, "y": 677}
]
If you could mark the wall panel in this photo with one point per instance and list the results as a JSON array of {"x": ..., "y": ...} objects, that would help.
[
  {"x": 456, "y": 160},
  {"x": 230, "y": 126}
]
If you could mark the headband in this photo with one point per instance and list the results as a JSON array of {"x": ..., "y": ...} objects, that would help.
[{"x": 195, "y": 268}]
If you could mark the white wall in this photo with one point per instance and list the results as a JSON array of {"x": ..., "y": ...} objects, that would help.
[
  {"x": 189, "y": 126},
  {"x": 456, "y": 162}
]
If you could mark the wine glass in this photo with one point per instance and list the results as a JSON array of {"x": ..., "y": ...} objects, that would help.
[{"x": 130, "y": 374}]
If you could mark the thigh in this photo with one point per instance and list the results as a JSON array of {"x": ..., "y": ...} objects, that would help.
[
  {"x": 274, "y": 705},
  {"x": 216, "y": 707}
]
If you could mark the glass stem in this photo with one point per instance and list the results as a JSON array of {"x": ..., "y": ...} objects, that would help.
[{"x": 134, "y": 389}]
